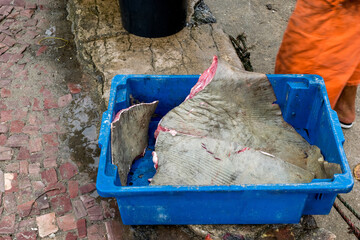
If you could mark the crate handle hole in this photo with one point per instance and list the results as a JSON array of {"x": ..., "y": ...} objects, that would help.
[
  {"x": 307, "y": 133},
  {"x": 319, "y": 196}
]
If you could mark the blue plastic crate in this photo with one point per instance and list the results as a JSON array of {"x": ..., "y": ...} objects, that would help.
[{"x": 304, "y": 104}]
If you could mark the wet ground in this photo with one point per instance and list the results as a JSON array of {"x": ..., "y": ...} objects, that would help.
[{"x": 50, "y": 113}]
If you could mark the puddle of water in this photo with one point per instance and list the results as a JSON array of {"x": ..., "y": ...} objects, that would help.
[{"x": 82, "y": 123}]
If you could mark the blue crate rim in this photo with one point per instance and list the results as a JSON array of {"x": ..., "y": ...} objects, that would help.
[{"x": 340, "y": 183}]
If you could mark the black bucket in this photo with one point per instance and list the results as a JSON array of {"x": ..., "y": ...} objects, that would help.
[{"x": 153, "y": 18}]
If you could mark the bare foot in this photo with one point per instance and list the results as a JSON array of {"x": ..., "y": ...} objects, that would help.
[{"x": 345, "y": 106}]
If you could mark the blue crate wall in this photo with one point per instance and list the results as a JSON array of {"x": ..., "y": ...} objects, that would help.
[{"x": 309, "y": 113}]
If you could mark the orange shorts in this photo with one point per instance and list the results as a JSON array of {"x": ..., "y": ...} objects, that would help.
[{"x": 323, "y": 38}]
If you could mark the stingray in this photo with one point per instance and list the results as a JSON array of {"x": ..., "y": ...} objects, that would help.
[{"x": 230, "y": 131}]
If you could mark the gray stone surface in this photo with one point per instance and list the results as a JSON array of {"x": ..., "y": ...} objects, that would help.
[
  {"x": 264, "y": 28},
  {"x": 104, "y": 46}
]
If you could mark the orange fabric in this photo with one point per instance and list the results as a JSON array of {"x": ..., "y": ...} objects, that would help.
[{"x": 323, "y": 37}]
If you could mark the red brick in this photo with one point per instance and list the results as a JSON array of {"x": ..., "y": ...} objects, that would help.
[
  {"x": 34, "y": 169},
  {"x": 74, "y": 88},
  {"x": 13, "y": 15},
  {"x": 2, "y": 35},
  {"x": 9, "y": 41},
  {"x": 20, "y": 49},
  {"x": 47, "y": 128},
  {"x": 33, "y": 120},
  {"x": 6, "y": 115},
  {"x": 19, "y": 114},
  {"x": 88, "y": 201},
  {"x": 17, "y": 141},
  {"x": 11, "y": 182},
  {"x": 5, "y": 10},
  {"x": 43, "y": 202},
  {"x": 12, "y": 104},
  {"x": 45, "y": 92},
  {"x": 68, "y": 170},
  {"x": 5, "y": 238},
  {"x": 4, "y": 83},
  {"x": 2, "y": 183},
  {"x": 41, "y": 50},
  {"x": 50, "y": 162},
  {"x": 24, "y": 182},
  {"x": 36, "y": 105},
  {"x": 67, "y": 222},
  {"x": 79, "y": 209},
  {"x": 48, "y": 118},
  {"x": 5, "y": 93},
  {"x": 49, "y": 103},
  {"x": 64, "y": 100},
  {"x": 49, "y": 176},
  {"x": 9, "y": 202},
  {"x": 25, "y": 208},
  {"x": 28, "y": 129},
  {"x": 24, "y": 195},
  {"x": 35, "y": 145},
  {"x": 27, "y": 224},
  {"x": 5, "y": 57},
  {"x": 96, "y": 232},
  {"x": 51, "y": 139},
  {"x": 61, "y": 204},
  {"x": 3, "y": 105},
  {"x": 38, "y": 186},
  {"x": 7, "y": 224},
  {"x": 31, "y": 23},
  {"x": 27, "y": 13},
  {"x": 16, "y": 126},
  {"x": 95, "y": 213},
  {"x": 51, "y": 152},
  {"x": 73, "y": 189},
  {"x": 6, "y": 73},
  {"x": 31, "y": 34},
  {"x": 22, "y": 75},
  {"x": 28, "y": 235},
  {"x": 19, "y": 3},
  {"x": 24, "y": 167},
  {"x": 81, "y": 228},
  {"x": 70, "y": 236},
  {"x": 12, "y": 167},
  {"x": 16, "y": 57},
  {"x": 5, "y": 153},
  {"x": 87, "y": 188},
  {"x": 113, "y": 230},
  {"x": 46, "y": 224},
  {"x": 56, "y": 189},
  {"x": 30, "y": 5},
  {"x": 3, "y": 139},
  {"x": 23, "y": 154}
]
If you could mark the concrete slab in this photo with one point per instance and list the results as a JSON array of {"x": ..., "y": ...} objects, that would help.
[
  {"x": 263, "y": 22},
  {"x": 105, "y": 46}
]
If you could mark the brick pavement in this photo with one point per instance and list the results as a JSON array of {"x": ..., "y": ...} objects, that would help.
[{"x": 42, "y": 192}]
